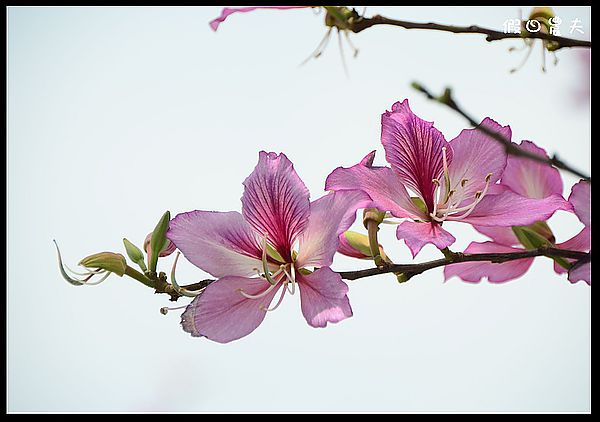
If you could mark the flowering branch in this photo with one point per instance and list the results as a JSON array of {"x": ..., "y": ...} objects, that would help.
[
  {"x": 511, "y": 148},
  {"x": 410, "y": 270},
  {"x": 361, "y": 24}
]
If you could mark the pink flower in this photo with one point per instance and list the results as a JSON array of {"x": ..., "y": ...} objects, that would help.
[
  {"x": 214, "y": 24},
  {"x": 279, "y": 240},
  {"x": 452, "y": 181},
  {"x": 530, "y": 179}
]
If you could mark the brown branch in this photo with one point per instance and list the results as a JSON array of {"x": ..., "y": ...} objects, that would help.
[
  {"x": 410, "y": 270},
  {"x": 511, "y": 148},
  {"x": 361, "y": 24}
]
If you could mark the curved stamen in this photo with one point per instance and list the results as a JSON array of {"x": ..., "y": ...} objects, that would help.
[
  {"x": 259, "y": 295},
  {"x": 278, "y": 302},
  {"x": 265, "y": 263},
  {"x": 292, "y": 278},
  {"x": 93, "y": 283},
  {"x": 165, "y": 310},
  {"x": 181, "y": 290},
  {"x": 446, "y": 173},
  {"x": 436, "y": 182},
  {"x": 478, "y": 197}
]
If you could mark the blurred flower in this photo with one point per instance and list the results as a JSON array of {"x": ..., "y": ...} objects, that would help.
[{"x": 214, "y": 24}]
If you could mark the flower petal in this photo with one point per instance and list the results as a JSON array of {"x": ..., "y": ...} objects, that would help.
[
  {"x": 582, "y": 241},
  {"x": 530, "y": 178},
  {"x": 417, "y": 235},
  {"x": 275, "y": 201},
  {"x": 214, "y": 24},
  {"x": 581, "y": 272},
  {"x": 414, "y": 149},
  {"x": 581, "y": 199},
  {"x": 475, "y": 156},
  {"x": 511, "y": 209},
  {"x": 323, "y": 297},
  {"x": 330, "y": 216},
  {"x": 222, "y": 314},
  {"x": 473, "y": 272},
  {"x": 220, "y": 243},
  {"x": 380, "y": 183}
]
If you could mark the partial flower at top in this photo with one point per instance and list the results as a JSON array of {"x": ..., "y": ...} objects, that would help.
[
  {"x": 450, "y": 181},
  {"x": 281, "y": 239},
  {"x": 214, "y": 24},
  {"x": 527, "y": 178}
]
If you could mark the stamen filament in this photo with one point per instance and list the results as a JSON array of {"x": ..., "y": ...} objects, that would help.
[
  {"x": 259, "y": 295},
  {"x": 276, "y": 305},
  {"x": 181, "y": 290}
]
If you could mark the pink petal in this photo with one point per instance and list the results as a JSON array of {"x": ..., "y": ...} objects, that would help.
[
  {"x": 581, "y": 272},
  {"x": 475, "y": 156},
  {"x": 380, "y": 183},
  {"x": 582, "y": 241},
  {"x": 275, "y": 201},
  {"x": 330, "y": 216},
  {"x": 222, "y": 314},
  {"x": 414, "y": 149},
  {"x": 511, "y": 209},
  {"x": 502, "y": 235},
  {"x": 530, "y": 178},
  {"x": 473, "y": 272},
  {"x": 323, "y": 297},
  {"x": 417, "y": 235},
  {"x": 220, "y": 243},
  {"x": 214, "y": 24},
  {"x": 581, "y": 199},
  {"x": 345, "y": 248}
]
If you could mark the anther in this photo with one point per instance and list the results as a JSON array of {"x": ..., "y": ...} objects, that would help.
[{"x": 165, "y": 310}]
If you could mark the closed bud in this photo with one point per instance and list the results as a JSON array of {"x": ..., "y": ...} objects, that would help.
[
  {"x": 108, "y": 261},
  {"x": 135, "y": 254},
  {"x": 356, "y": 245},
  {"x": 372, "y": 214}
]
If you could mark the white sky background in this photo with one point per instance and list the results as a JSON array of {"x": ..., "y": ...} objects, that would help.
[{"x": 118, "y": 114}]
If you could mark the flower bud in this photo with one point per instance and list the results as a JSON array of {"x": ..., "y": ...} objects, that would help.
[
  {"x": 109, "y": 261},
  {"x": 135, "y": 254},
  {"x": 166, "y": 251},
  {"x": 356, "y": 245},
  {"x": 159, "y": 245},
  {"x": 373, "y": 214}
]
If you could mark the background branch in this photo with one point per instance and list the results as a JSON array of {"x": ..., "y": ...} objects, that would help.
[
  {"x": 511, "y": 148},
  {"x": 361, "y": 24}
]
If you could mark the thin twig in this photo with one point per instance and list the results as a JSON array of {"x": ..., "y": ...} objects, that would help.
[
  {"x": 361, "y": 24},
  {"x": 410, "y": 270},
  {"x": 511, "y": 148}
]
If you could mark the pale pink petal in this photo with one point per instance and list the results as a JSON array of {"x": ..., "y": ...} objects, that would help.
[
  {"x": 473, "y": 272},
  {"x": 214, "y": 24},
  {"x": 502, "y": 235},
  {"x": 417, "y": 235},
  {"x": 323, "y": 297},
  {"x": 380, "y": 183},
  {"x": 276, "y": 201},
  {"x": 222, "y": 314},
  {"x": 581, "y": 272},
  {"x": 511, "y": 209},
  {"x": 581, "y": 199},
  {"x": 330, "y": 216},
  {"x": 220, "y": 243},
  {"x": 475, "y": 156},
  {"x": 414, "y": 149},
  {"x": 530, "y": 178},
  {"x": 582, "y": 241}
]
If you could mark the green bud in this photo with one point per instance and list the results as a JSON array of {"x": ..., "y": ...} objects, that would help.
[
  {"x": 159, "y": 240},
  {"x": 109, "y": 261},
  {"x": 360, "y": 242},
  {"x": 401, "y": 277},
  {"x": 372, "y": 214},
  {"x": 135, "y": 254}
]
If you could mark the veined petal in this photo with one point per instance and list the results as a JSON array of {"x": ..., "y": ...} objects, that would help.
[
  {"x": 476, "y": 155},
  {"x": 530, "y": 178},
  {"x": 220, "y": 243},
  {"x": 581, "y": 272},
  {"x": 381, "y": 183},
  {"x": 581, "y": 199},
  {"x": 501, "y": 235},
  {"x": 582, "y": 241},
  {"x": 473, "y": 272},
  {"x": 511, "y": 209},
  {"x": 417, "y": 235},
  {"x": 323, "y": 297},
  {"x": 330, "y": 216},
  {"x": 413, "y": 147},
  {"x": 214, "y": 24},
  {"x": 276, "y": 201},
  {"x": 220, "y": 313}
]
